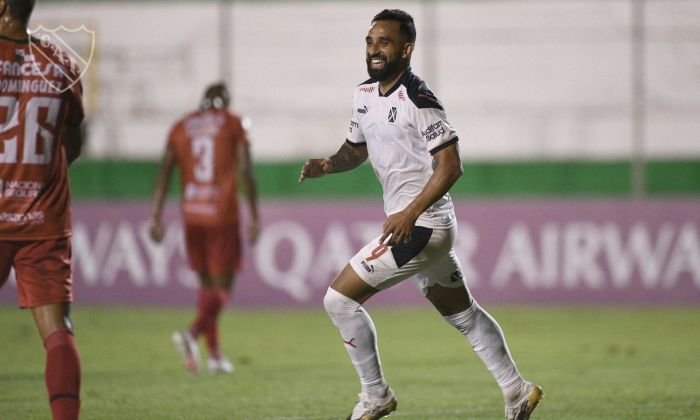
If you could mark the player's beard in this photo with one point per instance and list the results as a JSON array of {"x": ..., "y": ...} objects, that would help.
[{"x": 391, "y": 67}]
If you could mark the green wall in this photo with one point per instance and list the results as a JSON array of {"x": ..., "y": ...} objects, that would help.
[{"x": 110, "y": 179}]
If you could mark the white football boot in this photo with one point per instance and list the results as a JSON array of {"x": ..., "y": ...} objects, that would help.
[
  {"x": 372, "y": 408},
  {"x": 188, "y": 348},
  {"x": 219, "y": 365},
  {"x": 530, "y": 396}
]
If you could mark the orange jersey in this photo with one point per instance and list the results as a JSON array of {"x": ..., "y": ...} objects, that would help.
[
  {"x": 39, "y": 96},
  {"x": 206, "y": 148}
]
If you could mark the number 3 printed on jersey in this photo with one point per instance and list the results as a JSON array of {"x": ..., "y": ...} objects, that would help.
[
  {"x": 203, "y": 152},
  {"x": 34, "y": 131}
]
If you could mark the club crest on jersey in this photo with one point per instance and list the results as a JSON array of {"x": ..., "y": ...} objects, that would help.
[
  {"x": 70, "y": 49},
  {"x": 392, "y": 114}
]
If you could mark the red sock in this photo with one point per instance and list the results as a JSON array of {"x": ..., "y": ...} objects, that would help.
[
  {"x": 212, "y": 332},
  {"x": 62, "y": 375},
  {"x": 205, "y": 299}
]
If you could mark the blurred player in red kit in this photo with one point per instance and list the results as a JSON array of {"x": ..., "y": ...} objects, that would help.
[
  {"x": 41, "y": 114},
  {"x": 211, "y": 147}
]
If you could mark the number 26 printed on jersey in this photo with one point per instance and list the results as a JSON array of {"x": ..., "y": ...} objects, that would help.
[{"x": 46, "y": 109}]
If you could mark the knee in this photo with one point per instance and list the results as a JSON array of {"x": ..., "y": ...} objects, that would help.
[{"x": 335, "y": 302}]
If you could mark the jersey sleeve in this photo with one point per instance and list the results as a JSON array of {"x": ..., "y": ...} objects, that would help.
[
  {"x": 175, "y": 132},
  {"x": 430, "y": 118},
  {"x": 238, "y": 127},
  {"x": 75, "y": 112},
  {"x": 354, "y": 134},
  {"x": 435, "y": 130}
]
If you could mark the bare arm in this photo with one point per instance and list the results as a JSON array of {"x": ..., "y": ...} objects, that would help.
[
  {"x": 73, "y": 141},
  {"x": 250, "y": 188},
  {"x": 348, "y": 157},
  {"x": 447, "y": 171},
  {"x": 166, "y": 170}
]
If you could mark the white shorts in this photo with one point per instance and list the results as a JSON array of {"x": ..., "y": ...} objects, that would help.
[{"x": 428, "y": 257}]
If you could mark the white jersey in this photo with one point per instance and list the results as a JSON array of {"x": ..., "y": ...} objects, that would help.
[{"x": 402, "y": 130}]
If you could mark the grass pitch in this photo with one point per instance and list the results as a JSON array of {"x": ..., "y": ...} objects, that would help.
[{"x": 593, "y": 363}]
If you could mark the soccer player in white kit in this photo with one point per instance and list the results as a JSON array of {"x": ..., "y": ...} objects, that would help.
[{"x": 401, "y": 126}]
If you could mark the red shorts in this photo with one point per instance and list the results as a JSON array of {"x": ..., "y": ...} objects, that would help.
[
  {"x": 213, "y": 250},
  {"x": 42, "y": 269}
]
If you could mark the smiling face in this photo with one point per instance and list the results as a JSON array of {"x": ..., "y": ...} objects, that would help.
[{"x": 388, "y": 53}]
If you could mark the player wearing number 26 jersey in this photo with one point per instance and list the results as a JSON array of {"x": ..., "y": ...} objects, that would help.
[
  {"x": 40, "y": 118},
  {"x": 210, "y": 147},
  {"x": 34, "y": 196}
]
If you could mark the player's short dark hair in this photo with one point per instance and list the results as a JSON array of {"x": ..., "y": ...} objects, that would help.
[
  {"x": 218, "y": 88},
  {"x": 215, "y": 95},
  {"x": 20, "y": 9},
  {"x": 408, "y": 28}
]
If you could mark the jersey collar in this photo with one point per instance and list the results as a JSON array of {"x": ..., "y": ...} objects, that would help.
[
  {"x": 16, "y": 41},
  {"x": 396, "y": 85}
]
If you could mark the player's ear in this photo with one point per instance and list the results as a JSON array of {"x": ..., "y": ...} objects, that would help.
[{"x": 408, "y": 50}]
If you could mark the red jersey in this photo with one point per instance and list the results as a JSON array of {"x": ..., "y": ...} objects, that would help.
[
  {"x": 38, "y": 97},
  {"x": 206, "y": 145}
]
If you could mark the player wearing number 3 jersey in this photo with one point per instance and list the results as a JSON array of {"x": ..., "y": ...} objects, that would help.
[
  {"x": 402, "y": 128},
  {"x": 210, "y": 146},
  {"x": 40, "y": 135}
]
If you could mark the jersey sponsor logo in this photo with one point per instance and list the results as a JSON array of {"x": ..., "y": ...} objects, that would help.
[
  {"x": 33, "y": 217},
  {"x": 362, "y": 110},
  {"x": 20, "y": 189},
  {"x": 64, "y": 47},
  {"x": 433, "y": 131},
  {"x": 195, "y": 192},
  {"x": 392, "y": 115},
  {"x": 27, "y": 66},
  {"x": 367, "y": 89},
  {"x": 353, "y": 124}
]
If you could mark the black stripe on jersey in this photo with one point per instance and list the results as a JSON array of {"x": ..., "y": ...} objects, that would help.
[
  {"x": 353, "y": 144},
  {"x": 405, "y": 252},
  {"x": 419, "y": 93},
  {"x": 444, "y": 145}
]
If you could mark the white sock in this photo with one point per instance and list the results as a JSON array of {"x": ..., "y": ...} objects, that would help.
[
  {"x": 360, "y": 338},
  {"x": 486, "y": 337}
]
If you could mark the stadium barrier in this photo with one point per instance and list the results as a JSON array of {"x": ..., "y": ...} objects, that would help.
[{"x": 560, "y": 252}]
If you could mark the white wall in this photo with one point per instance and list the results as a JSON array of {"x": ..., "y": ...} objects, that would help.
[{"x": 519, "y": 79}]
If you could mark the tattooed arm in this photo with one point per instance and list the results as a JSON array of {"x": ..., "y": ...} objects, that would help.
[{"x": 349, "y": 156}]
